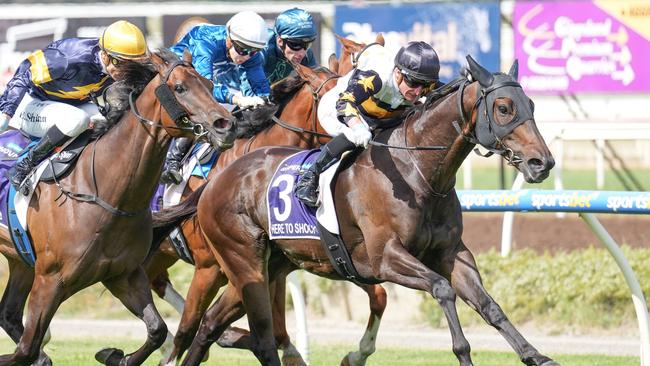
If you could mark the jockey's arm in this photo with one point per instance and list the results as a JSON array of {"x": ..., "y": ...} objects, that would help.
[
  {"x": 16, "y": 89},
  {"x": 360, "y": 88},
  {"x": 254, "y": 70}
]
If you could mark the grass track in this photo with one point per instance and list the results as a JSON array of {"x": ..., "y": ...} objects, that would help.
[{"x": 80, "y": 352}]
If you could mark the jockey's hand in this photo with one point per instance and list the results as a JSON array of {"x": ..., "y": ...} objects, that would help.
[
  {"x": 358, "y": 134},
  {"x": 4, "y": 122},
  {"x": 248, "y": 102},
  {"x": 96, "y": 119}
]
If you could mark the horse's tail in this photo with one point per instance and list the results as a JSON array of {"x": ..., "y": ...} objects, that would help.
[{"x": 165, "y": 220}]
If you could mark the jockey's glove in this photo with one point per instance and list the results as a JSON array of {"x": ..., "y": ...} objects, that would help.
[
  {"x": 4, "y": 122},
  {"x": 358, "y": 134},
  {"x": 97, "y": 118},
  {"x": 248, "y": 102}
]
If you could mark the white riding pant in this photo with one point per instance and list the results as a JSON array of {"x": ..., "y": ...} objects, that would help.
[
  {"x": 327, "y": 113},
  {"x": 34, "y": 116}
]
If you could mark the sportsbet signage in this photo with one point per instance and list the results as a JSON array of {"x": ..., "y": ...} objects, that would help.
[
  {"x": 583, "y": 46},
  {"x": 453, "y": 29}
]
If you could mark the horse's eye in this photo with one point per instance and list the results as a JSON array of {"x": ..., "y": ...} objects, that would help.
[
  {"x": 179, "y": 88},
  {"x": 503, "y": 109}
]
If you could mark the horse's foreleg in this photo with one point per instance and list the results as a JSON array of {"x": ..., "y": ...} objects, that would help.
[
  {"x": 400, "y": 267},
  {"x": 45, "y": 298},
  {"x": 134, "y": 292},
  {"x": 14, "y": 298},
  {"x": 219, "y": 316},
  {"x": 205, "y": 284},
  {"x": 466, "y": 280},
  {"x": 377, "y": 300}
]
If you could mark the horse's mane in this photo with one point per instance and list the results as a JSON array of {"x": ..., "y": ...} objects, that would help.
[
  {"x": 434, "y": 97},
  {"x": 136, "y": 76},
  {"x": 251, "y": 122}
]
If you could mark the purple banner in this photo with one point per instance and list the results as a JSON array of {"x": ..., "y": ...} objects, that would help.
[{"x": 583, "y": 46}]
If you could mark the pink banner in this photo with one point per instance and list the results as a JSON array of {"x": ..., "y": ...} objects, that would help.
[{"x": 583, "y": 46}]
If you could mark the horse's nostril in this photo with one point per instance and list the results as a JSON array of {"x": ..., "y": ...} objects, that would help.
[
  {"x": 222, "y": 123},
  {"x": 535, "y": 164}
]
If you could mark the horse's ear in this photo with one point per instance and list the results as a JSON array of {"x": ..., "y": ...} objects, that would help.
[
  {"x": 158, "y": 62},
  {"x": 380, "y": 39},
  {"x": 304, "y": 72},
  {"x": 514, "y": 70},
  {"x": 187, "y": 56},
  {"x": 479, "y": 72},
  {"x": 333, "y": 63}
]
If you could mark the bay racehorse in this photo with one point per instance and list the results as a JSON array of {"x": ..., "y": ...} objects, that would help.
[
  {"x": 399, "y": 214},
  {"x": 296, "y": 99},
  {"x": 94, "y": 225}
]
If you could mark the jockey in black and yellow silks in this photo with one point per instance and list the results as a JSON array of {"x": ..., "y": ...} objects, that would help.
[
  {"x": 378, "y": 90},
  {"x": 49, "y": 95}
]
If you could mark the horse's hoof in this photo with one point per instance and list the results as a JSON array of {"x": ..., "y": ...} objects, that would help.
[
  {"x": 43, "y": 360},
  {"x": 293, "y": 360},
  {"x": 109, "y": 356},
  {"x": 550, "y": 363}
]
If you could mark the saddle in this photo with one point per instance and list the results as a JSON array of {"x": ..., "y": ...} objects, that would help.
[{"x": 62, "y": 163}]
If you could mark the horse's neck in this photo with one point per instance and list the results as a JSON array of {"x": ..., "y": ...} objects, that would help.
[
  {"x": 130, "y": 156},
  {"x": 299, "y": 112},
  {"x": 440, "y": 168}
]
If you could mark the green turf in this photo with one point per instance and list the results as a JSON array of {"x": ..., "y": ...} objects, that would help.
[{"x": 78, "y": 352}]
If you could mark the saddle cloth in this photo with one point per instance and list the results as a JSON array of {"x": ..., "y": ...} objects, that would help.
[{"x": 289, "y": 218}]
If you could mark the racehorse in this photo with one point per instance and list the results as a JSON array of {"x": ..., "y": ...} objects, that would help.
[
  {"x": 94, "y": 225},
  {"x": 296, "y": 98},
  {"x": 301, "y": 99},
  {"x": 398, "y": 212}
]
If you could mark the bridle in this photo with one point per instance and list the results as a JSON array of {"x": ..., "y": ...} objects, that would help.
[
  {"x": 171, "y": 105},
  {"x": 487, "y": 132},
  {"x": 177, "y": 113}
]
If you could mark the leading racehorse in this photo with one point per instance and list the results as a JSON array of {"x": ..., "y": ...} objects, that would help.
[
  {"x": 94, "y": 225},
  {"x": 399, "y": 214}
]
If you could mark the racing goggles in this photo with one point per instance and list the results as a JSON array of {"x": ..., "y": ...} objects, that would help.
[
  {"x": 244, "y": 50},
  {"x": 412, "y": 82},
  {"x": 114, "y": 60},
  {"x": 297, "y": 45}
]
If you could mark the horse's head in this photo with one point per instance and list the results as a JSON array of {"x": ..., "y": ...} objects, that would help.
[
  {"x": 188, "y": 104},
  {"x": 504, "y": 122},
  {"x": 320, "y": 80},
  {"x": 349, "y": 50}
]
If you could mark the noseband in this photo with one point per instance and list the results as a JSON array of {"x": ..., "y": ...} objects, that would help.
[{"x": 171, "y": 105}]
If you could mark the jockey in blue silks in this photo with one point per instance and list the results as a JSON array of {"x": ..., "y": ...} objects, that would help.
[
  {"x": 229, "y": 56},
  {"x": 49, "y": 95}
]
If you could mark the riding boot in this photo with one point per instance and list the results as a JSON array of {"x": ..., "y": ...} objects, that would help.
[
  {"x": 172, "y": 174},
  {"x": 306, "y": 189},
  {"x": 53, "y": 138}
]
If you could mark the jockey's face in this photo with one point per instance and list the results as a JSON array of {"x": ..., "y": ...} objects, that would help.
[
  {"x": 410, "y": 93},
  {"x": 293, "y": 51},
  {"x": 111, "y": 64},
  {"x": 235, "y": 56}
]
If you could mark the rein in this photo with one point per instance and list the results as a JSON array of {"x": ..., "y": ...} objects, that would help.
[{"x": 175, "y": 111}]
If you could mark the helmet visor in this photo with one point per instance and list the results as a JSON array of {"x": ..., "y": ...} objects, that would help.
[
  {"x": 297, "y": 45},
  {"x": 244, "y": 50}
]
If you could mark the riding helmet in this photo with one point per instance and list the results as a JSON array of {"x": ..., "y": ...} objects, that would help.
[
  {"x": 295, "y": 24},
  {"x": 124, "y": 40},
  {"x": 418, "y": 60}
]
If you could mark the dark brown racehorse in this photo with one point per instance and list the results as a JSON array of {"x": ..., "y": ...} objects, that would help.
[
  {"x": 398, "y": 212},
  {"x": 80, "y": 241}
]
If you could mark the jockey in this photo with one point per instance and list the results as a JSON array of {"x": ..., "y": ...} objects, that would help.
[
  {"x": 374, "y": 94},
  {"x": 294, "y": 33},
  {"x": 229, "y": 56},
  {"x": 49, "y": 95}
]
